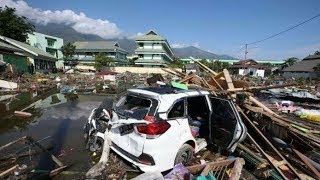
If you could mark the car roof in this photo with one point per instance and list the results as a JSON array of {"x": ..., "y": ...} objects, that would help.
[{"x": 166, "y": 90}]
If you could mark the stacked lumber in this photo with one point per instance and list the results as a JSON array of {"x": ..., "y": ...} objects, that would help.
[{"x": 288, "y": 166}]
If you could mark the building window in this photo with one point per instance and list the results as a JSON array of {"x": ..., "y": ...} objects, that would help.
[
  {"x": 140, "y": 45},
  {"x": 53, "y": 52},
  {"x": 50, "y": 42},
  {"x": 140, "y": 56},
  {"x": 155, "y": 56}
]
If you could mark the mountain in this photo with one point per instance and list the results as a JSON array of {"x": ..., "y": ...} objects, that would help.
[
  {"x": 127, "y": 44},
  {"x": 197, "y": 53},
  {"x": 68, "y": 34}
]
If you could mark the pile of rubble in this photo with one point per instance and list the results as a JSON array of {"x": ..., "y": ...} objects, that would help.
[{"x": 275, "y": 146}]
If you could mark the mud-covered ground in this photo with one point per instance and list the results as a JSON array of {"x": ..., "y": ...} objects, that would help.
[{"x": 58, "y": 122}]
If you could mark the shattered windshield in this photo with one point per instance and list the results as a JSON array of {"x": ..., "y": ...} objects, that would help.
[{"x": 134, "y": 107}]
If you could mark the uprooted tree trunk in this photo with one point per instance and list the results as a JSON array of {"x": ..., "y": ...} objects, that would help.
[{"x": 97, "y": 169}]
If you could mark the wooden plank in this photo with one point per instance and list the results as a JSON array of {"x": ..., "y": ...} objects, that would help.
[
  {"x": 170, "y": 72},
  {"x": 313, "y": 169},
  {"x": 258, "y": 103},
  {"x": 237, "y": 168},
  {"x": 57, "y": 171},
  {"x": 259, "y": 88},
  {"x": 212, "y": 89},
  {"x": 204, "y": 67},
  {"x": 310, "y": 137},
  {"x": 266, "y": 156},
  {"x": 206, "y": 170},
  {"x": 254, "y": 155},
  {"x": 229, "y": 81},
  {"x": 187, "y": 78},
  {"x": 215, "y": 81},
  {"x": 199, "y": 167},
  {"x": 219, "y": 75},
  {"x": 8, "y": 171},
  {"x": 174, "y": 70},
  {"x": 21, "y": 113},
  {"x": 267, "y": 141},
  {"x": 12, "y": 142},
  {"x": 205, "y": 154}
]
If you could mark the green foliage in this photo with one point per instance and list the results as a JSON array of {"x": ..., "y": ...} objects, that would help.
[
  {"x": 317, "y": 70},
  {"x": 68, "y": 50},
  {"x": 289, "y": 62},
  {"x": 102, "y": 60},
  {"x": 131, "y": 61},
  {"x": 217, "y": 66},
  {"x": 300, "y": 80},
  {"x": 177, "y": 63},
  {"x": 14, "y": 26}
]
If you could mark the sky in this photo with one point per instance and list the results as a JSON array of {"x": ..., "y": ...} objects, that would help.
[{"x": 218, "y": 26}]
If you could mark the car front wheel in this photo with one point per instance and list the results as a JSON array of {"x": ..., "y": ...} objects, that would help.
[{"x": 184, "y": 155}]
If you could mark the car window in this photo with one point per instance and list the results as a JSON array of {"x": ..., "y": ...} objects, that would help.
[
  {"x": 197, "y": 107},
  {"x": 134, "y": 107},
  {"x": 224, "y": 121},
  {"x": 177, "y": 110}
]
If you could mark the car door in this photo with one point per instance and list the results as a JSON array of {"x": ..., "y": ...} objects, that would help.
[{"x": 226, "y": 126}]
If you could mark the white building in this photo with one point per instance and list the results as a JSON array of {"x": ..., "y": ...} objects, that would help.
[
  {"x": 153, "y": 50},
  {"x": 49, "y": 44},
  {"x": 249, "y": 67},
  {"x": 86, "y": 51}
]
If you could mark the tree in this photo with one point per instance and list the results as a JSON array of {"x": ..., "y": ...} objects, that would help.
[
  {"x": 102, "y": 60},
  {"x": 289, "y": 62},
  {"x": 317, "y": 53},
  {"x": 14, "y": 26},
  {"x": 131, "y": 61},
  {"x": 218, "y": 66},
  {"x": 68, "y": 51},
  {"x": 176, "y": 63},
  {"x": 317, "y": 70}
]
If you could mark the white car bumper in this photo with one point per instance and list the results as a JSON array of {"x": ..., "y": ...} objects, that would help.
[{"x": 142, "y": 167}]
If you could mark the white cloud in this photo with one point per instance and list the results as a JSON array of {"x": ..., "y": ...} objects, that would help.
[
  {"x": 80, "y": 22},
  {"x": 183, "y": 45},
  {"x": 196, "y": 44},
  {"x": 135, "y": 35},
  {"x": 178, "y": 45},
  {"x": 77, "y": 112}
]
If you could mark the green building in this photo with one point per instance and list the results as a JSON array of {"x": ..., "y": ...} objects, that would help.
[
  {"x": 25, "y": 57},
  {"x": 49, "y": 44},
  {"x": 86, "y": 51},
  {"x": 233, "y": 61},
  {"x": 7, "y": 55},
  {"x": 153, "y": 50}
]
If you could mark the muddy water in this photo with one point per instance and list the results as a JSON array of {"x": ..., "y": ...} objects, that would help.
[{"x": 59, "y": 117}]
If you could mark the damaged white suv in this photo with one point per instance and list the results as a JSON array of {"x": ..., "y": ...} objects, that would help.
[{"x": 179, "y": 124}]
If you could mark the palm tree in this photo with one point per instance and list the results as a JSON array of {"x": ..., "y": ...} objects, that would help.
[
  {"x": 317, "y": 53},
  {"x": 289, "y": 62}
]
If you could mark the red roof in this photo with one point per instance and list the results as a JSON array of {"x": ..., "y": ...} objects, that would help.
[{"x": 248, "y": 63}]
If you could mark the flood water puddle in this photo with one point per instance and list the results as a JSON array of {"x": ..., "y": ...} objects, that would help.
[{"x": 58, "y": 120}]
